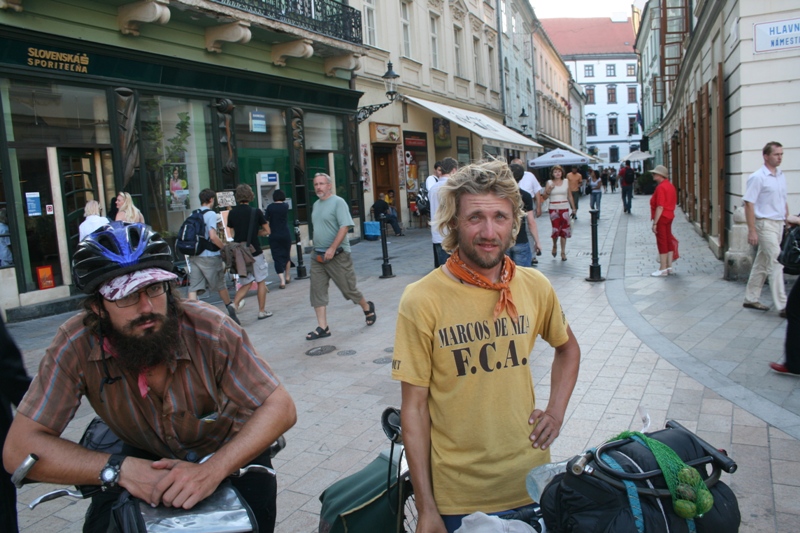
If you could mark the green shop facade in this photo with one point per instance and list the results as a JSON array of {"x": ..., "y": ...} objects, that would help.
[{"x": 84, "y": 121}]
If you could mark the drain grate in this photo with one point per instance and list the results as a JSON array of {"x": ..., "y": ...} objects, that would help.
[
  {"x": 590, "y": 253},
  {"x": 382, "y": 360},
  {"x": 320, "y": 350},
  {"x": 346, "y": 352}
]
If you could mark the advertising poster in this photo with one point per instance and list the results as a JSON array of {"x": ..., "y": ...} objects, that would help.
[
  {"x": 177, "y": 186},
  {"x": 441, "y": 133},
  {"x": 365, "y": 176}
]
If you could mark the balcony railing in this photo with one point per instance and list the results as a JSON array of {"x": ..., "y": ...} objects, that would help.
[{"x": 326, "y": 17}]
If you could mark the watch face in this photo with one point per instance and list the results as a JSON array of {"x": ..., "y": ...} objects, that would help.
[{"x": 108, "y": 475}]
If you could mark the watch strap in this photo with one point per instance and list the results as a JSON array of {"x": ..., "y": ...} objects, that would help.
[{"x": 114, "y": 463}]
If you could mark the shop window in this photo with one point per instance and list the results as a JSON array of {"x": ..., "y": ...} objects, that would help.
[
  {"x": 177, "y": 149},
  {"x": 57, "y": 115}
]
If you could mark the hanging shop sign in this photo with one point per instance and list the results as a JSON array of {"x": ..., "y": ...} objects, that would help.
[{"x": 384, "y": 133}]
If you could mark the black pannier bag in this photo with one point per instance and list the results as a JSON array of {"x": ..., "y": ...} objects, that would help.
[{"x": 596, "y": 502}]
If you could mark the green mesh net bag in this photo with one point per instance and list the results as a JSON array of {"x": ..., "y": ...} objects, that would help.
[{"x": 690, "y": 496}]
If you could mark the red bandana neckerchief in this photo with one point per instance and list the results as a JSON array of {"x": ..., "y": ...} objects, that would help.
[{"x": 460, "y": 270}]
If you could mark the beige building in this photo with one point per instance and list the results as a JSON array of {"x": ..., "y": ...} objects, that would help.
[
  {"x": 556, "y": 126},
  {"x": 449, "y": 100}
]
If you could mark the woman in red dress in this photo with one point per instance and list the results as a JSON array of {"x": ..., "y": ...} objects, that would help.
[
  {"x": 557, "y": 190},
  {"x": 662, "y": 211}
]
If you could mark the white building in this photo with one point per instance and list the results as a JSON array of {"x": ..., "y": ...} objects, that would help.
[
  {"x": 648, "y": 48},
  {"x": 599, "y": 53}
]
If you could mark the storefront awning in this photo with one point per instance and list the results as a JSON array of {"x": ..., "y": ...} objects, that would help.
[
  {"x": 569, "y": 147},
  {"x": 492, "y": 132}
]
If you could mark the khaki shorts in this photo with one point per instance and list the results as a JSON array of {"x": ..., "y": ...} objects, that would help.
[
  {"x": 257, "y": 272},
  {"x": 340, "y": 270},
  {"x": 207, "y": 273}
]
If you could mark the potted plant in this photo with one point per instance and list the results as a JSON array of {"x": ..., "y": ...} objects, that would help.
[{"x": 645, "y": 184}]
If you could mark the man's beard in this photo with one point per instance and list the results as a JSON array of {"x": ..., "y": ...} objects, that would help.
[
  {"x": 136, "y": 353},
  {"x": 469, "y": 251}
]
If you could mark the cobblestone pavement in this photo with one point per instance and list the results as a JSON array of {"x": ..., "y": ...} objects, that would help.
[{"x": 680, "y": 347}]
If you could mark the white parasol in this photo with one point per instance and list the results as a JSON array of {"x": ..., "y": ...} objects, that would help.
[
  {"x": 638, "y": 156},
  {"x": 559, "y": 157}
]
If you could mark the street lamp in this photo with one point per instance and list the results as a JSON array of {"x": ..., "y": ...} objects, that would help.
[
  {"x": 390, "y": 83},
  {"x": 524, "y": 113}
]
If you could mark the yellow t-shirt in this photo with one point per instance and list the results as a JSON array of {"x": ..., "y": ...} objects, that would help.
[{"x": 480, "y": 385}]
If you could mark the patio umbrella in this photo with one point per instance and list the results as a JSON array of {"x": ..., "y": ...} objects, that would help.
[
  {"x": 558, "y": 157},
  {"x": 639, "y": 156}
]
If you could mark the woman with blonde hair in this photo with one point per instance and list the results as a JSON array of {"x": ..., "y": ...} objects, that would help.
[
  {"x": 91, "y": 213},
  {"x": 127, "y": 211},
  {"x": 561, "y": 203}
]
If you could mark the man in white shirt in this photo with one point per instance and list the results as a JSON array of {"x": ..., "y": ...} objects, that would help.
[
  {"x": 531, "y": 184},
  {"x": 766, "y": 209},
  {"x": 436, "y": 176},
  {"x": 207, "y": 269},
  {"x": 448, "y": 166}
]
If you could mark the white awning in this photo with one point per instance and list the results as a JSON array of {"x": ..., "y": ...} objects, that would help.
[
  {"x": 569, "y": 147},
  {"x": 492, "y": 132}
]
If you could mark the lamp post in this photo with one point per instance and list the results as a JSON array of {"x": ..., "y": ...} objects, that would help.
[{"x": 390, "y": 83}]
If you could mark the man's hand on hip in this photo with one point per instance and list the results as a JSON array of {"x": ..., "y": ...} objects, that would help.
[
  {"x": 330, "y": 253},
  {"x": 545, "y": 428},
  {"x": 185, "y": 484}
]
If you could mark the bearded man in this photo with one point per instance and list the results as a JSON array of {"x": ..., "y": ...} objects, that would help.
[
  {"x": 175, "y": 381},
  {"x": 465, "y": 332}
]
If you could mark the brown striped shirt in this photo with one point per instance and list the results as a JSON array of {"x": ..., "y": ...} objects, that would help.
[{"x": 211, "y": 390}]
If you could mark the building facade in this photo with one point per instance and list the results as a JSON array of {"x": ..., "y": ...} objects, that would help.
[
  {"x": 600, "y": 55},
  {"x": 162, "y": 99},
  {"x": 725, "y": 87},
  {"x": 461, "y": 87},
  {"x": 649, "y": 52}
]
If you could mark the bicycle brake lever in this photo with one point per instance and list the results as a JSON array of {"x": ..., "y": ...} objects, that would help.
[{"x": 53, "y": 495}]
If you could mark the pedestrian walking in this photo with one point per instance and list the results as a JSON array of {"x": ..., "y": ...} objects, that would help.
[
  {"x": 575, "y": 180},
  {"x": 626, "y": 179},
  {"x": 766, "y": 209},
  {"x": 612, "y": 179},
  {"x": 604, "y": 178},
  {"x": 331, "y": 219},
  {"x": 465, "y": 455},
  {"x": 248, "y": 224},
  {"x": 449, "y": 165},
  {"x": 596, "y": 186},
  {"x": 662, "y": 212},
  {"x": 791, "y": 361},
  {"x": 561, "y": 202},
  {"x": 126, "y": 210},
  {"x": 280, "y": 240},
  {"x": 522, "y": 253},
  {"x": 207, "y": 270},
  {"x": 92, "y": 219}
]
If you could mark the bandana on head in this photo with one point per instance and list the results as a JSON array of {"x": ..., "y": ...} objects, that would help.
[
  {"x": 461, "y": 271},
  {"x": 127, "y": 284}
]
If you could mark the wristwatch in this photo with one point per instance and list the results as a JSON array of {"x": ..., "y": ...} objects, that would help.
[{"x": 109, "y": 475}]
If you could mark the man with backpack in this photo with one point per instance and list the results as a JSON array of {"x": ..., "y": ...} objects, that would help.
[
  {"x": 207, "y": 268},
  {"x": 626, "y": 179}
]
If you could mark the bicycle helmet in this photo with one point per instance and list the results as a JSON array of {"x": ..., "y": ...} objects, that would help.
[{"x": 116, "y": 249}]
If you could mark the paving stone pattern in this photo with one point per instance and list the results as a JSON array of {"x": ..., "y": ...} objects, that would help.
[{"x": 679, "y": 348}]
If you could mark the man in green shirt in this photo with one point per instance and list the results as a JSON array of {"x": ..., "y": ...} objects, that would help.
[{"x": 331, "y": 261}]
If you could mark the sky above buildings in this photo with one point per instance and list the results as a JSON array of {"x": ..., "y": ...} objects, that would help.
[{"x": 582, "y": 8}]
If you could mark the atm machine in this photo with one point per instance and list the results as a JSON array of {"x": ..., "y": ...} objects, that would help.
[{"x": 266, "y": 184}]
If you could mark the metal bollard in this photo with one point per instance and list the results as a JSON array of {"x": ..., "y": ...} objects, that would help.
[
  {"x": 301, "y": 269},
  {"x": 594, "y": 269},
  {"x": 386, "y": 267}
]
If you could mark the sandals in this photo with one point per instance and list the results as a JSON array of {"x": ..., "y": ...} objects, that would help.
[
  {"x": 370, "y": 314},
  {"x": 318, "y": 333}
]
